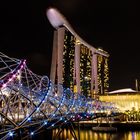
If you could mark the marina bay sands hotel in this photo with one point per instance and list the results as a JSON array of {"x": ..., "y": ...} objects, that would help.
[{"x": 75, "y": 63}]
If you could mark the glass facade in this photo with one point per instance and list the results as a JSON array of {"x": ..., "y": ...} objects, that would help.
[
  {"x": 103, "y": 74},
  {"x": 124, "y": 102},
  {"x": 68, "y": 60},
  {"x": 69, "y": 80},
  {"x": 85, "y": 70}
]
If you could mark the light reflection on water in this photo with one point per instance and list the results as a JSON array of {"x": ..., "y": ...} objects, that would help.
[{"x": 92, "y": 135}]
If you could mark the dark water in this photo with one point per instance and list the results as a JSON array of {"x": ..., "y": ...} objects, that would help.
[{"x": 87, "y": 134}]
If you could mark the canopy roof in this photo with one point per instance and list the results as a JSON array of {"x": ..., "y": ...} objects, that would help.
[{"x": 125, "y": 90}]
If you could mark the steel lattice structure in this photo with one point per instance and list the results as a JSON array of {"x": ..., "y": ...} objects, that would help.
[{"x": 27, "y": 99}]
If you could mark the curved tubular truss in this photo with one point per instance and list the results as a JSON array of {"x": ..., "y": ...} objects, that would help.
[{"x": 30, "y": 100}]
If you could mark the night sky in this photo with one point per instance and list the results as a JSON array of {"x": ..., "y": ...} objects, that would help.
[{"x": 25, "y": 32}]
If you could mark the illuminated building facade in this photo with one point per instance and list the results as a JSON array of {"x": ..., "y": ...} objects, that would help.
[
  {"x": 103, "y": 74},
  {"x": 127, "y": 101},
  {"x": 124, "y": 101},
  {"x": 74, "y": 61},
  {"x": 85, "y": 70},
  {"x": 77, "y": 66},
  {"x": 68, "y": 60}
]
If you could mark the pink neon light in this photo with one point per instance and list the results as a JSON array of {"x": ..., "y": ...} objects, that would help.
[{"x": 12, "y": 76}]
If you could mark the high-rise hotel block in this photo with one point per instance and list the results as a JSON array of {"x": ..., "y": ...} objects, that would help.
[
  {"x": 76, "y": 64},
  {"x": 72, "y": 66}
]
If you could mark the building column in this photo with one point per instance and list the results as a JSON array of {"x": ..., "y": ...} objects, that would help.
[
  {"x": 60, "y": 44},
  {"x": 56, "y": 72},
  {"x": 54, "y": 58},
  {"x": 77, "y": 66},
  {"x": 94, "y": 74}
]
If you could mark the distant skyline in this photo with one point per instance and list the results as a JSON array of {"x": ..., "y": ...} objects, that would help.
[{"x": 25, "y": 32}]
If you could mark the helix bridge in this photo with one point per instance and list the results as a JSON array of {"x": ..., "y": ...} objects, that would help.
[{"x": 28, "y": 100}]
